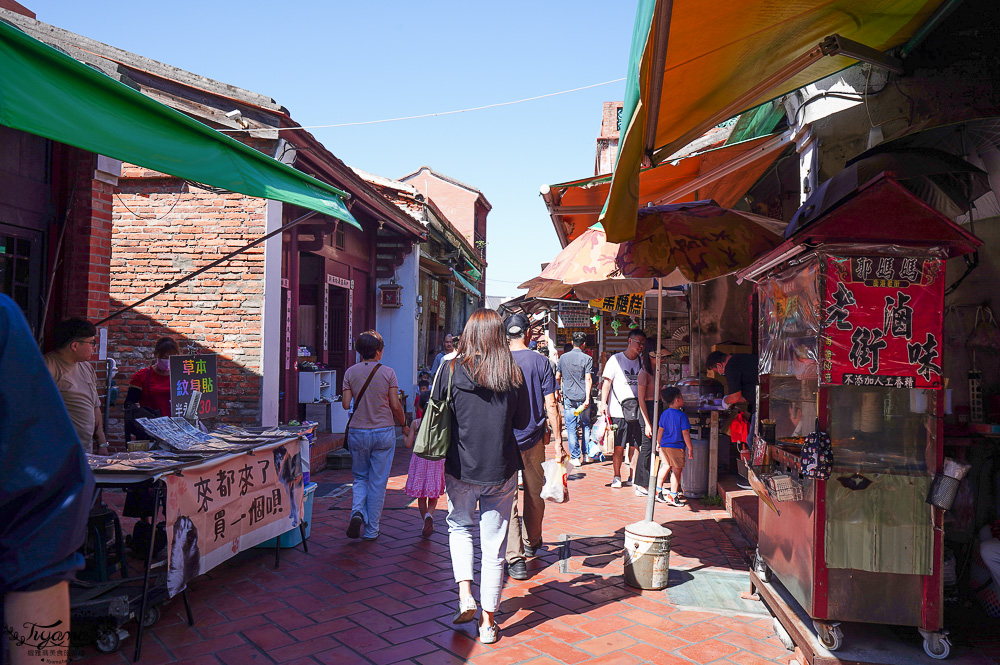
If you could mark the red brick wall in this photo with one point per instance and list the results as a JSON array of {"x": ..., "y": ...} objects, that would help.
[
  {"x": 164, "y": 229},
  {"x": 84, "y": 274}
]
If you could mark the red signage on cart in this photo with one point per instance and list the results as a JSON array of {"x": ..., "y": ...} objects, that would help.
[
  {"x": 222, "y": 507},
  {"x": 883, "y": 321}
]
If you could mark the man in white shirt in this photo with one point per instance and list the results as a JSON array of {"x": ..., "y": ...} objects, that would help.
[{"x": 620, "y": 399}]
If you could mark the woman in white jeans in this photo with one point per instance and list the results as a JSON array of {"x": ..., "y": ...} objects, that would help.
[{"x": 488, "y": 399}]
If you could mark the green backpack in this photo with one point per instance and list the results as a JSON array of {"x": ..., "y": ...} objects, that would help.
[{"x": 434, "y": 436}]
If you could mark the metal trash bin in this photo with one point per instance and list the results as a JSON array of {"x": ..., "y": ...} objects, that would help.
[{"x": 694, "y": 479}]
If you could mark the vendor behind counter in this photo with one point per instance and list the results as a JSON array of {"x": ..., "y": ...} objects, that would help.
[{"x": 149, "y": 390}]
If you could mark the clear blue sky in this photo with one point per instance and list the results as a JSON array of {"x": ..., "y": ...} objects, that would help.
[{"x": 332, "y": 62}]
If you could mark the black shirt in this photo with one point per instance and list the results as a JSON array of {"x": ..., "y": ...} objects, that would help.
[
  {"x": 741, "y": 377},
  {"x": 483, "y": 448}
]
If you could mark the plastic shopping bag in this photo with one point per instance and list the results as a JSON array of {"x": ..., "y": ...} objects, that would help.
[
  {"x": 594, "y": 450},
  {"x": 597, "y": 433},
  {"x": 556, "y": 487}
]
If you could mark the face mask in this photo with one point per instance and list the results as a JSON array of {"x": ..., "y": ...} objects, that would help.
[{"x": 163, "y": 364}]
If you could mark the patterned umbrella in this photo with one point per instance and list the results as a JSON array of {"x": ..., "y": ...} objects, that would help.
[
  {"x": 676, "y": 244},
  {"x": 695, "y": 242},
  {"x": 585, "y": 269}
]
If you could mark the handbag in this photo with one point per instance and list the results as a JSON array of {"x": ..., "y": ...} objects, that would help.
[
  {"x": 434, "y": 435},
  {"x": 630, "y": 406},
  {"x": 357, "y": 403}
]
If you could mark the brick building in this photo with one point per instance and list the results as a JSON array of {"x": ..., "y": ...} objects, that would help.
[
  {"x": 132, "y": 230},
  {"x": 464, "y": 206},
  {"x": 451, "y": 267},
  {"x": 607, "y": 141}
]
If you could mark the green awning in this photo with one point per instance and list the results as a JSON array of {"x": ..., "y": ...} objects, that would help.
[
  {"x": 45, "y": 92},
  {"x": 474, "y": 273},
  {"x": 466, "y": 284}
]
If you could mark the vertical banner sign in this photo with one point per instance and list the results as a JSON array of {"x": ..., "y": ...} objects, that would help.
[
  {"x": 225, "y": 506},
  {"x": 882, "y": 321},
  {"x": 191, "y": 373},
  {"x": 629, "y": 305}
]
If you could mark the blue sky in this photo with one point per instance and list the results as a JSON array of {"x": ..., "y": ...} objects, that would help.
[{"x": 334, "y": 62}]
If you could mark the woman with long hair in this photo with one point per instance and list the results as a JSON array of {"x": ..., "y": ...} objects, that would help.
[{"x": 488, "y": 400}]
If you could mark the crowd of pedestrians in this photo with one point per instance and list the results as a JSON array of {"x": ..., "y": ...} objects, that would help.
[{"x": 508, "y": 405}]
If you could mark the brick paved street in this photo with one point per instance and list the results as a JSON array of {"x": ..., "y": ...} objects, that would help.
[{"x": 391, "y": 601}]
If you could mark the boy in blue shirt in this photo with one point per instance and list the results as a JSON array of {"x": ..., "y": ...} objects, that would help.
[{"x": 674, "y": 434}]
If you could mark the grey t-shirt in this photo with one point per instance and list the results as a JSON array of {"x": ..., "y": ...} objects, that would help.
[{"x": 574, "y": 368}]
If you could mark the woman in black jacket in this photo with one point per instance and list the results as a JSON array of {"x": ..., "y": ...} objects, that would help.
[{"x": 488, "y": 399}]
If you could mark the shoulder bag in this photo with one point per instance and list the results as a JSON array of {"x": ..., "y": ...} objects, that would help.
[
  {"x": 434, "y": 436},
  {"x": 630, "y": 405},
  {"x": 357, "y": 403}
]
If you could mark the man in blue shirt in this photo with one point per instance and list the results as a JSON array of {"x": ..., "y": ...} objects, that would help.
[{"x": 523, "y": 539}]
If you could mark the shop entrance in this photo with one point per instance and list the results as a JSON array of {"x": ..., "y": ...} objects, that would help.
[{"x": 337, "y": 332}]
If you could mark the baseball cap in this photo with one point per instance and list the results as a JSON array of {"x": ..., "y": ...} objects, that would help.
[{"x": 516, "y": 324}]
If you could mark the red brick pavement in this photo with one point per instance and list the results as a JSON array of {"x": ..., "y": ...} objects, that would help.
[{"x": 391, "y": 601}]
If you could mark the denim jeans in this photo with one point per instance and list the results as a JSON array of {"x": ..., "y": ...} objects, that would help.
[
  {"x": 371, "y": 459},
  {"x": 494, "y": 503},
  {"x": 571, "y": 422}
]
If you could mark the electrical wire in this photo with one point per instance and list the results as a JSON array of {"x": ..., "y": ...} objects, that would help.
[
  {"x": 138, "y": 216},
  {"x": 430, "y": 115}
]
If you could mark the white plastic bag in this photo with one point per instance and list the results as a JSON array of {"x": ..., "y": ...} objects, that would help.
[
  {"x": 556, "y": 487},
  {"x": 600, "y": 427}
]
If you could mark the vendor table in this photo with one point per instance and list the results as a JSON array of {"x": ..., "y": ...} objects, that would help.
[{"x": 216, "y": 505}]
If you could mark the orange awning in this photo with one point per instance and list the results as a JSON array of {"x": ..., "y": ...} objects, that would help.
[
  {"x": 575, "y": 206},
  {"x": 692, "y": 66}
]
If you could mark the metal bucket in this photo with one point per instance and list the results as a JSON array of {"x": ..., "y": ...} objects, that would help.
[{"x": 647, "y": 558}]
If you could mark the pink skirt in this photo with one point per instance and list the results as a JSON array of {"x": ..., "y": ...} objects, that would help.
[{"x": 425, "y": 479}]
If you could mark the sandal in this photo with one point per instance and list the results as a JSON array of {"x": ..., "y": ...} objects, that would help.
[
  {"x": 466, "y": 610},
  {"x": 489, "y": 634}
]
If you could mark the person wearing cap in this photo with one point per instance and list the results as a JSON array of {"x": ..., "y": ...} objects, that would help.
[
  {"x": 524, "y": 536},
  {"x": 575, "y": 375}
]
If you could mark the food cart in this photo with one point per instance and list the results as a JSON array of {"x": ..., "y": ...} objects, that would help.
[{"x": 850, "y": 323}]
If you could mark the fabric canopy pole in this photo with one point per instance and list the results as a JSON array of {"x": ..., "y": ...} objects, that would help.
[
  {"x": 727, "y": 61},
  {"x": 46, "y": 92}
]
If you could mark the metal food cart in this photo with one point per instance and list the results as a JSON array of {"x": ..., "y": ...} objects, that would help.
[{"x": 850, "y": 323}]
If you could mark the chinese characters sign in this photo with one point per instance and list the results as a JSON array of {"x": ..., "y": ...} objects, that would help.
[
  {"x": 883, "y": 321},
  {"x": 194, "y": 373},
  {"x": 573, "y": 315},
  {"x": 225, "y": 506},
  {"x": 629, "y": 305}
]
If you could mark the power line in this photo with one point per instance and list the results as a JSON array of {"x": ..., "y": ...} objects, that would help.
[{"x": 427, "y": 115}]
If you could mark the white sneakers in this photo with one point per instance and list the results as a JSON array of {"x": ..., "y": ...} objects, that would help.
[
  {"x": 575, "y": 461},
  {"x": 616, "y": 483},
  {"x": 641, "y": 491}
]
